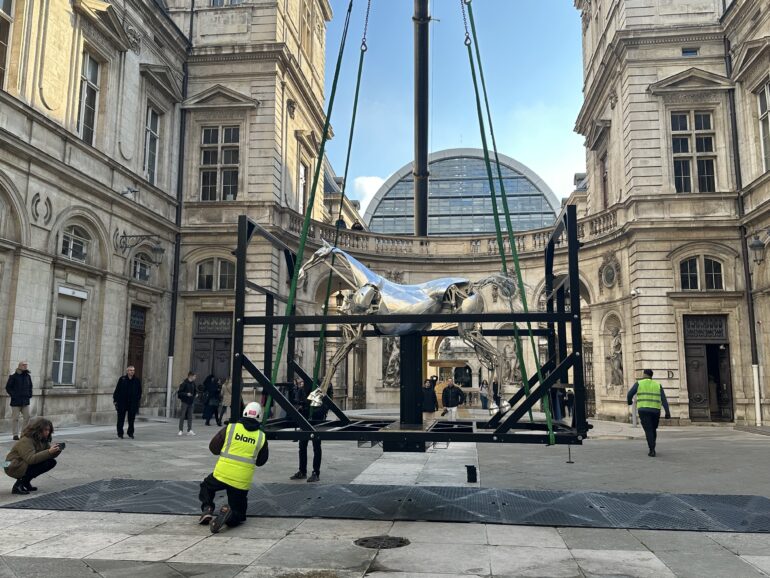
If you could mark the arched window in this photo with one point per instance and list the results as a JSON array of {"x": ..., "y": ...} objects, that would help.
[
  {"x": 75, "y": 242},
  {"x": 701, "y": 273},
  {"x": 216, "y": 275},
  {"x": 141, "y": 267},
  {"x": 688, "y": 271}
]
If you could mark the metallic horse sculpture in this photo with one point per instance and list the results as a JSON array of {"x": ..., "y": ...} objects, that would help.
[{"x": 371, "y": 293}]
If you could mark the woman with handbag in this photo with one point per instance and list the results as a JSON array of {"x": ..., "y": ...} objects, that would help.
[{"x": 211, "y": 398}]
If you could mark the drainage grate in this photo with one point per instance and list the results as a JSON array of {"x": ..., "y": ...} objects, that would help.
[{"x": 381, "y": 542}]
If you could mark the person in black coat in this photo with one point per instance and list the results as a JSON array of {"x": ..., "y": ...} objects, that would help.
[
  {"x": 19, "y": 387},
  {"x": 429, "y": 400},
  {"x": 298, "y": 397},
  {"x": 212, "y": 393},
  {"x": 451, "y": 397},
  {"x": 127, "y": 395}
]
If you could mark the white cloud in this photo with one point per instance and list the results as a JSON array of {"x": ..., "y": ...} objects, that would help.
[{"x": 364, "y": 189}]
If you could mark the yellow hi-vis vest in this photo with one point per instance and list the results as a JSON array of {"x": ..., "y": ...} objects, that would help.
[
  {"x": 648, "y": 394},
  {"x": 236, "y": 463}
]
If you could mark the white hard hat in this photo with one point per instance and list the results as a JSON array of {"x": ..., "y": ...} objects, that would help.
[{"x": 253, "y": 410}]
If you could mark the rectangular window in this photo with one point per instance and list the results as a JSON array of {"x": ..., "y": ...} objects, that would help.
[
  {"x": 5, "y": 34},
  {"x": 89, "y": 98},
  {"x": 689, "y": 274},
  {"x": 65, "y": 350},
  {"x": 151, "y": 144},
  {"x": 687, "y": 128},
  {"x": 713, "y": 275},
  {"x": 306, "y": 26},
  {"x": 226, "y": 275},
  {"x": 303, "y": 187},
  {"x": 220, "y": 163},
  {"x": 689, "y": 52},
  {"x": 764, "y": 124}
]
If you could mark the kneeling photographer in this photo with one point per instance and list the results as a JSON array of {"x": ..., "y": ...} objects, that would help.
[{"x": 32, "y": 456}]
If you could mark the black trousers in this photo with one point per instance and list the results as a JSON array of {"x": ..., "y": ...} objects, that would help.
[
  {"x": 35, "y": 470},
  {"x": 316, "y": 456},
  {"x": 236, "y": 499},
  {"x": 122, "y": 411},
  {"x": 650, "y": 420}
]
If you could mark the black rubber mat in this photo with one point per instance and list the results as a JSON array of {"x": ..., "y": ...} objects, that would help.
[{"x": 701, "y": 512}]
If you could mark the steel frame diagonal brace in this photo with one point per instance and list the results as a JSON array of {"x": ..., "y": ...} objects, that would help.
[
  {"x": 279, "y": 398},
  {"x": 536, "y": 393},
  {"x": 546, "y": 369}
]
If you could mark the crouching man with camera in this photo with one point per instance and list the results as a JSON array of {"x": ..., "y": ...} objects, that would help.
[{"x": 32, "y": 456}]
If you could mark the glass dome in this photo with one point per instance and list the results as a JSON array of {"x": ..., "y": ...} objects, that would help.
[{"x": 459, "y": 202}]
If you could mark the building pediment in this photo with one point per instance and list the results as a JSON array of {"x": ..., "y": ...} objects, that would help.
[
  {"x": 163, "y": 79},
  {"x": 219, "y": 96},
  {"x": 691, "y": 80},
  {"x": 102, "y": 16},
  {"x": 597, "y": 133},
  {"x": 751, "y": 53}
]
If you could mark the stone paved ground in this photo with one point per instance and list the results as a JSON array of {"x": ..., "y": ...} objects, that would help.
[{"x": 692, "y": 459}]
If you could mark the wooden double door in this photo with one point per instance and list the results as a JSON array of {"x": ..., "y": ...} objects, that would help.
[
  {"x": 211, "y": 356},
  {"x": 707, "y": 358}
]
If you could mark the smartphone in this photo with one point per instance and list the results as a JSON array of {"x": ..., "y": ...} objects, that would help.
[{"x": 61, "y": 445}]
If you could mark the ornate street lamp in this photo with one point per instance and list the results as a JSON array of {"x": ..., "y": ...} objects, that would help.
[
  {"x": 757, "y": 247},
  {"x": 126, "y": 242}
]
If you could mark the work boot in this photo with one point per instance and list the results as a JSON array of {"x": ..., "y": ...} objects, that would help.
[
  {"x": 19, "y": 489},
  {"x": 298, "y": 476},
  {"x": 313, "y": 478},
  {"x": 225, "y": 513},
  {"x": 15, "y": 438},
  {"x": 651, "y": 453},
  {"x": 206, "y": 516},
  {"x": 27, "y": 485}
]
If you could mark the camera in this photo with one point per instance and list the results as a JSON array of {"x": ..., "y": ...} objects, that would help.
[{"x": 61, "y": 445}]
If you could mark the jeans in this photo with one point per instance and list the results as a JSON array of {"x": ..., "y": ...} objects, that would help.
[
  {"x": 484, "y": 402},
  {"x": 15, "y": 410},
  {"x": 186, "y": 413},
  {"x": 316, "y": 456},
  {"x": 236, "y": 499},
  {"x": 122, "y": 411},
  {"x": 650, "y": 420}
]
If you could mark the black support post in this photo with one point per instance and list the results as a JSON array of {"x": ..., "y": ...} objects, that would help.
[
  {"x": 421, "y": 100},
  {"x": 411, "y": 394},
  {"x": 240, "y": 309}
]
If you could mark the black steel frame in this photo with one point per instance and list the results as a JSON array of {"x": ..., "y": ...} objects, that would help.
[{"x": 563, "y": 366}]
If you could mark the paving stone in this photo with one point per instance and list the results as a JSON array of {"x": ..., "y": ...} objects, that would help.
[
  {"x": 224, "y": 549},
  {"x": 133, "y": 569},
  {"x": 761, "y": 562},
  {"x": 436, "y": 532},
  {"x": 296, "y": 552},
  {"x": 670, "y": 541},
  {"x": 719, "y": 562},
  {"x": 17, "y": 537},
  {"x": 341, "y": 529},
  {"x": 12, "y": 517},
  {"x": 533, "y": 562},
  {"x": 5, "y": 570},
  {"x": 631, "y": 564},
  {"x": 255, "y": 571},
  {"x": 74, "y": 545},
  {"x": 417, "y": 575},
  {"x": 441, "y": 556},
  {"x": 207, "y": 570},
  {"x": 750, "y": 544},
  {"x": 600, "y": 539},
  {"x": 147, "y": 547},
  {"x": 37, "y": 567},
  {"x": 531, "y": 536}
]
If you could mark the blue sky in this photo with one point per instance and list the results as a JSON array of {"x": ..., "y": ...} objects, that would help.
[{"x": 531, "y": 53}]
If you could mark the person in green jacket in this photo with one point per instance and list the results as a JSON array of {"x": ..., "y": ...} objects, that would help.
[
  {"x": 32, "y": 456},
  {"x": 650, "y": 397}
]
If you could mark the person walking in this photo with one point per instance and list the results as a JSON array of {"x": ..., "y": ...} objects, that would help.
[
  {"x": 496, "y": 393},
  {"x": 484, "y": 393},
  {"x": 429, "y": 399},
  {"x": 298, "y": 397},
  {"x": 212, "y": 391},
  {"x": 241, "y": 447},
  {"x": 225, "y": 398},
  {"x": 649, "y": 399},
  {"x": 126, "y": 398},
  {"x": 32, "y": 456},
  {"x": 451, "y": 397},
  {"x": 19, "y": 387},
  {"x": 186, "y": 394}
]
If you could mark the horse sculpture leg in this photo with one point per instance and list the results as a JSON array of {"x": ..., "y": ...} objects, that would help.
[{"x": 352, "y": 337}]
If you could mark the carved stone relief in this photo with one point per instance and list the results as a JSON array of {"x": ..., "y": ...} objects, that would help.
[
  {"x": 614, "y": 348},
  {"x": 41, "y": 208},
  {"x": 391, "y": 362},
  {"x": 609, "y": 272}
]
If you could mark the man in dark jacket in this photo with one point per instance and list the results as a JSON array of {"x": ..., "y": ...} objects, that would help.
[
  {"x": 451, "y": 397},
  {"x": 19, "y": 387},
  {"x": 186, "y": 394},
  {"x": 298, "y": 398},
  {"x": 127, "y": 395},
  {"x": 241, "y": 446},
  {"x": 429, "y": 400}
]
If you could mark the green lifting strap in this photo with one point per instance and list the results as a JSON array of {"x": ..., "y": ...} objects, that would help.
[
  {"x": 320, "y": 349},
  {"x": 506, "y": 211},
  {"x": 308, "y": 212}
]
